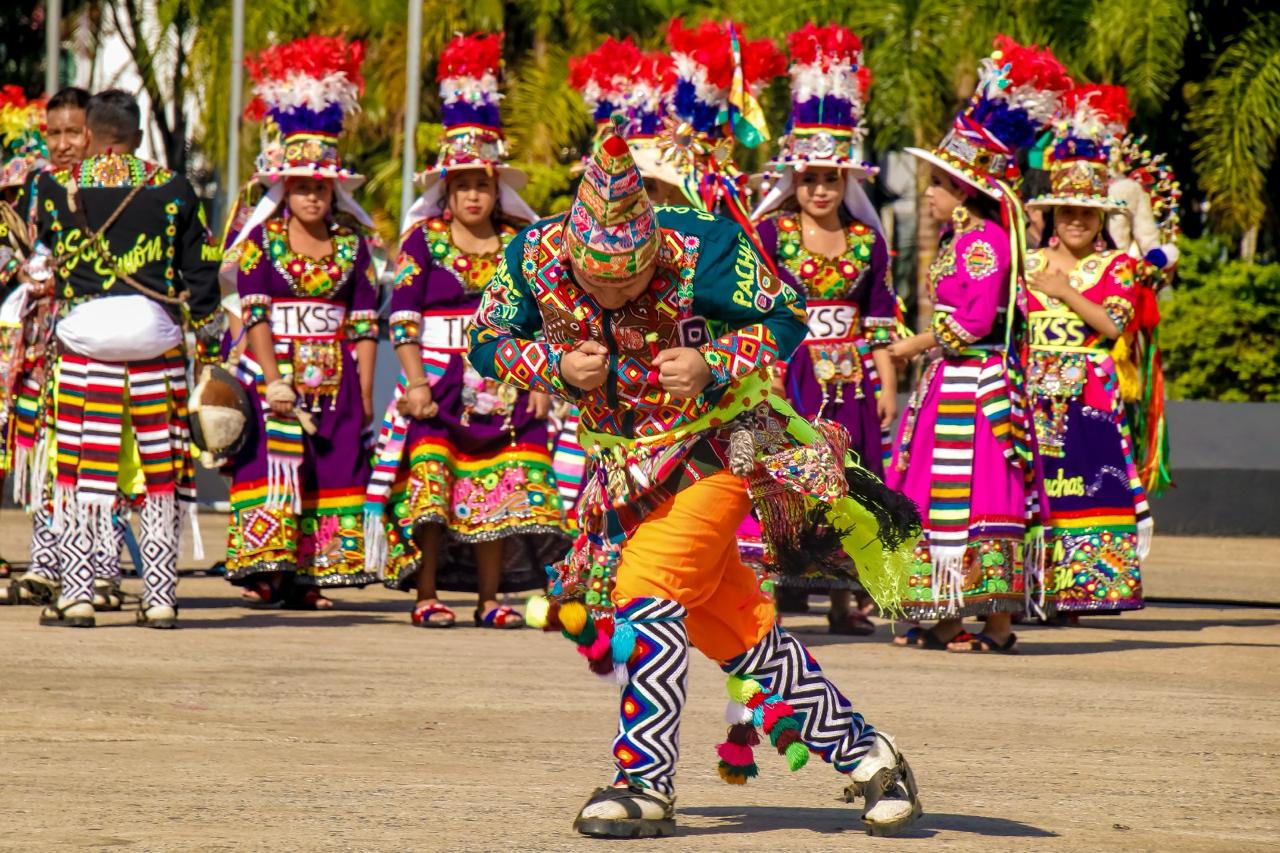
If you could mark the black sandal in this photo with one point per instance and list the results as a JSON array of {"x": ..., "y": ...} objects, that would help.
[
  {"x": 57, "y": 616},
  {"x": 35, "y": 589},
  {"x": 628, "y": 820}
]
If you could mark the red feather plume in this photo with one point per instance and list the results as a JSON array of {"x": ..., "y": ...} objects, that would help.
[
  {"x": 830, "y": 44},
  {"x": 471, "y": 56},
  {"x": 1110, "y": 102}
]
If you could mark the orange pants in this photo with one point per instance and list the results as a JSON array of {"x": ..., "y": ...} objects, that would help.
[{"x": 687, "y": 551}]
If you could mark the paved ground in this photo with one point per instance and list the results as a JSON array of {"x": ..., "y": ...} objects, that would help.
[{"x": 350, "y": 730}]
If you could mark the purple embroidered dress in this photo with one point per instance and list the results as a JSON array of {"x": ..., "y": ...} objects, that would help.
[
  {"x": 296, "y": 498},
  {"x": 960, "y": 455},
  {"x": 1097, "y": 522},
  {"x": 482, "y": 466},
  {"x": 852, "y": 310}
]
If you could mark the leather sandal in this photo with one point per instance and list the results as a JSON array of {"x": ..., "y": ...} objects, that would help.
[
  {"x": 884, "y": 781},
  {"x": 158, "y": 616},
  {"x": 73, "y": 614},
  {"x": 35, "y": 589},
  {"x": 627, "y": 812},
  {"x": 107, "y": 596}
]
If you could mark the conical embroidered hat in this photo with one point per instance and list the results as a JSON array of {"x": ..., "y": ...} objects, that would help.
[{"x": 611, "y": 234}]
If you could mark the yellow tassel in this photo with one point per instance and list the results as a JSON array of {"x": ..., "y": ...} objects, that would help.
[
  {"x": 573, "y": 617},
  {"x": 1126, "y": 370}
]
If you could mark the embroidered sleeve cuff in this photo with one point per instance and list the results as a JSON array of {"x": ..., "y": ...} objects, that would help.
[
  {"x": 406, "y": 327},
  {"x": 879, "y": 331},
  {"x": 254, "y": 309},
  {"x": 362, "y": 326},
  {"x": 1120, "y": 310},
  {"x": 952, "y": 337}
]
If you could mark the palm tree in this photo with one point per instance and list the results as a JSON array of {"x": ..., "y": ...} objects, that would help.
[{"x": 1236, "y": 114}]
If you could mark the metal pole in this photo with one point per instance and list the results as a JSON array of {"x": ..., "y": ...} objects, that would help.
[
  {"x": 52, "y": 45},
  {"x": 412, "y": 78},
  {"x": 237, "y": 89}
]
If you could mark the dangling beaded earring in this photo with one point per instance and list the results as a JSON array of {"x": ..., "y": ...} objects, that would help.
[
  {"x": 960, "y": 216},
  {"x": 1099, "y": 245}
]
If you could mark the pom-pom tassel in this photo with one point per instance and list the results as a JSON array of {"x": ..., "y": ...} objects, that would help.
[
  {"x": 797, "y": 756},
  {"x": 735, "y": 754},
  {"x": 742, "y": 690},
  {"x": 736, "y": 712},
  {"x": 624, "y": 642},
  {"x": 573, "y": 618},
  {"x": 536, "y": 609},
  {"x": 737, "y": 775}
]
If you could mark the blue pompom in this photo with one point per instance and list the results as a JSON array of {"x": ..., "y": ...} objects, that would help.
[
  {"x": 1157, "y": 258},
  {"x": 623, "y": 642}
]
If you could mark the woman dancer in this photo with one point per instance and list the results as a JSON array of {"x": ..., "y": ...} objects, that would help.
[
  {"x": 962, "y": 454},
  {"x": 463, "y": 463},
  {"x": 1080, "y": 297},
  {"x": 824, "y": 237},
  {"x": 309, "y": 306}
]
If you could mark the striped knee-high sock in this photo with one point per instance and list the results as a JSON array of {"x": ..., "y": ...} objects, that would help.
[
  {"x": 648, "y": 741},
  {"x": 828, "y": 724}
]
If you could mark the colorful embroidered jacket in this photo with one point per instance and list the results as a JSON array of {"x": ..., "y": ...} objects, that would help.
[
  {"x": 161, "y": 239},
  {"x": 711, "y": 292}
]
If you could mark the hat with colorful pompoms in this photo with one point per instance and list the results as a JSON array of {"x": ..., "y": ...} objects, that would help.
[
  {"x": 617, "y": 78},
  {"x": 1093, "y": 119}
]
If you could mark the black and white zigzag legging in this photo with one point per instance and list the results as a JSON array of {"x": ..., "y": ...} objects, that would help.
[{"x": 828, "y": 724}]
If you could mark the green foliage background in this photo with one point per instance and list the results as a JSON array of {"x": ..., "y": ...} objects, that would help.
[
  {"x": 1203, "y": 77},
  {"x": 1221, "y": 328}
]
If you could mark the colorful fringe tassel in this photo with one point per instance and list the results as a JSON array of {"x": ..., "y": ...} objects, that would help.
[
  {"x": 751, "y": 707},
  {"x": 606, "y": 646}
]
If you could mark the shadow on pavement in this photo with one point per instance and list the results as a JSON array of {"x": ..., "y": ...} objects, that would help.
[
  {"x": 1069, "y": 648},
  {"x": 278, "y": 618},
  {"x": 745, "y": 819},
  {"x": 1139, "y": 626}
]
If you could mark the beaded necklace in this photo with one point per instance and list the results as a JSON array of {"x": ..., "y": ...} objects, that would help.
[
  {"x": 820, "y": 276},
  {"x": 472, "y": 270},
  {"x": 317, "y": 278}
]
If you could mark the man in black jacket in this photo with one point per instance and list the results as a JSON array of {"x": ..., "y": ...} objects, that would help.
[{"x": 135, "y": 264}]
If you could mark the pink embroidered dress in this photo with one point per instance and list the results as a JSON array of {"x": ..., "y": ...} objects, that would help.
[
  {"x": 1097, "y": 522},
  {"x": 958, "y": 455}
]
